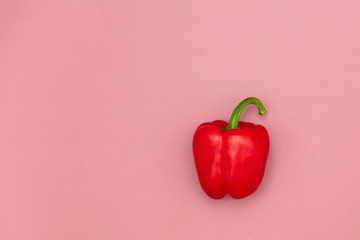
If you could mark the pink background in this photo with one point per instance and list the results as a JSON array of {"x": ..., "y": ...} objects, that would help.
[{"x": 99, "y": 101}]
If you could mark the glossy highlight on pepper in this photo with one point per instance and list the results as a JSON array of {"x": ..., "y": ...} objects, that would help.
[{"x": 230, "y": 158}]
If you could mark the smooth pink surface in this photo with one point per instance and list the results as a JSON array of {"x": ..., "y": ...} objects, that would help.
[{"x": 99, "y": 101}]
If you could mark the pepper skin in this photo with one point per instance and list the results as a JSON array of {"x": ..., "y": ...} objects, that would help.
[{"x": 231, "y": 158}]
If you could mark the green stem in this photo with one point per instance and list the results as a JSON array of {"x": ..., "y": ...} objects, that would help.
[{"x": 233, "y": 123}]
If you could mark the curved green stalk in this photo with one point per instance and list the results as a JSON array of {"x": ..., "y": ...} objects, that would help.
[{"x": 234, "y": 119}]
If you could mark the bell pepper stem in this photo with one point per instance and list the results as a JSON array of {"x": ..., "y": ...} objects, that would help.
[{"x": 234, "y": 119}]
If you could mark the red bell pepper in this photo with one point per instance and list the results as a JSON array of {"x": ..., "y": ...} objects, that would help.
[{"x": 231, "y": 158}]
